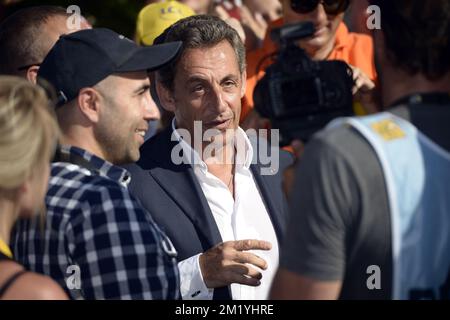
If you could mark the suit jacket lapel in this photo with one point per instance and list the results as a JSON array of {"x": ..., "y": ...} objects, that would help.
[
  {"x": 180, "y": 183},
  {"x": 274, "y": 208}
]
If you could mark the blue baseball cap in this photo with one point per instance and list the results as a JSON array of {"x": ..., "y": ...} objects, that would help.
[{"x": 84, "y": 58}]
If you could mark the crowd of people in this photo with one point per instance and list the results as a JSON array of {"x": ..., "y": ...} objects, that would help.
[{"x": 126, "y": 173}]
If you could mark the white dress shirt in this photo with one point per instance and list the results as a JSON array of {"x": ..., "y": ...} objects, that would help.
[{"x": 244, "y": 217}]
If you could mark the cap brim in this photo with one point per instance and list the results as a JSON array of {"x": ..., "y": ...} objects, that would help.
[{"x": 151, "y": 58}]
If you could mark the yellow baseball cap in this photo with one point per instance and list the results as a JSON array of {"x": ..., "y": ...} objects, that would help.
[{"x": 157, "y": 17}]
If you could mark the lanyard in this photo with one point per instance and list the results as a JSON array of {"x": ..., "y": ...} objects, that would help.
[
  {"x": 440, "y": 98},
  {"x": 5, "y": 249}
]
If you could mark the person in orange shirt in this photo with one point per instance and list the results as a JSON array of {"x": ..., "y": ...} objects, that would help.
[{"x": 331, "y": 41}]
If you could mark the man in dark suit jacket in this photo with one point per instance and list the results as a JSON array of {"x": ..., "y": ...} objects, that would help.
[{"x": 214, "y": 211}]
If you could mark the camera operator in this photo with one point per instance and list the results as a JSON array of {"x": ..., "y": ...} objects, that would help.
[
  {"x": 370, "y": 216},
  {"x": 331, "y": 41}
]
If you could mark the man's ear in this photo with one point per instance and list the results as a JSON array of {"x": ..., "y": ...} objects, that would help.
[
  {"x": 165, "y": 97},
  {"x": 89, "y": 103},
  {"x": 244, "y": 83},
  {"x": 32, "y": 74}
]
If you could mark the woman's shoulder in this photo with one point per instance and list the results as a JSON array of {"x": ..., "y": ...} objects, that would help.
[{"x": 29, "y": 285}]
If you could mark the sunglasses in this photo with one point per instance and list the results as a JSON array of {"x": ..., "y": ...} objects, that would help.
[{"x": 332, "y": 7}]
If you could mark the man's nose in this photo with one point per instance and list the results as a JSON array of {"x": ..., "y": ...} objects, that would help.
[
  {"x": 219, "y": 99},
  {"x": 319, "y": 14},
  {"x": 151, "y": 111}
]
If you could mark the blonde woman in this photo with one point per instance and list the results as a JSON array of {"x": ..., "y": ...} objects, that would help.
[{"x": 28, "y": 134}]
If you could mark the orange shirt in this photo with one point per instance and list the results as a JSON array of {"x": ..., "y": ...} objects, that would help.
[{"x": 355, "y": 49}]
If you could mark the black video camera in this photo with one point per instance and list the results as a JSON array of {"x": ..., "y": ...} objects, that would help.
[{"x": 298, "y": 95}]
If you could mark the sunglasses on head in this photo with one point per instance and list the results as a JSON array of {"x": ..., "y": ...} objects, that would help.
[{"x": 331, "y": 7}]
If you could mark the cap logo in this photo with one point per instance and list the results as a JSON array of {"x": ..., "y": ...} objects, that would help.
[{"x": 171, "y": 10}]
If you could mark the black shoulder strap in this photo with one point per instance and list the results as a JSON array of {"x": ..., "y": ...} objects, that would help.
[
  {"x": 74, "y": 159},
  {"x": 4, "y": 256},
  {"x": 439, "y": 98},
  {"x": 11, "y": 281}
]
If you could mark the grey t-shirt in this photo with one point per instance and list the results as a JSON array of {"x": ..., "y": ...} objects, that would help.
[{"x": 340, "y": 220}]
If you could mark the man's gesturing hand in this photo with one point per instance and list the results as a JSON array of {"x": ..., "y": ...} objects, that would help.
[{"x": 227, "y": 263}]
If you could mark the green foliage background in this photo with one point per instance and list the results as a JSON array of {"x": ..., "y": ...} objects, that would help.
[{"x": 118, "y": 15}]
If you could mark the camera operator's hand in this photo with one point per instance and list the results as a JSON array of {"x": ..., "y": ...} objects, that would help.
[
  {"x": 364, "y": 91},
  {"x": 362, "y": 81},
  {"x": 227, "y": 263}
]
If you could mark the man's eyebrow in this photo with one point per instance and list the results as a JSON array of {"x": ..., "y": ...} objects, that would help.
[
  {"x": 202, "y": 79},
  {"x": 230, "y": 77},
  {"x": 143, "y": 87},
  {"x": 195, "y": 79}
]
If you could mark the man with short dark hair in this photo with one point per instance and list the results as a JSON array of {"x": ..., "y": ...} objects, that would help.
[
  {"x": 94, "y": 227},
  {"x": 370, "y": 211},
  {"x": 27, "y": 36}
]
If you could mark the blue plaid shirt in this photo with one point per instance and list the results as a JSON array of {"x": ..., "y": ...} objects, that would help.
[{"x": 98, "y": 242}]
